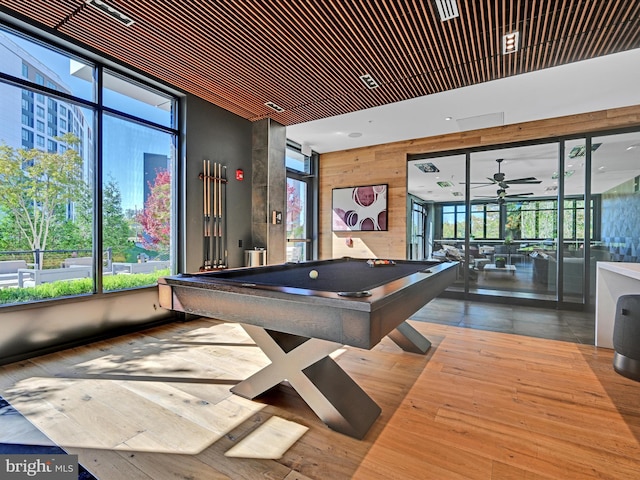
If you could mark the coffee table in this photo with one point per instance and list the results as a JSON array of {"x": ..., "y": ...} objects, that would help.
[{"x": 491, "y": 267}]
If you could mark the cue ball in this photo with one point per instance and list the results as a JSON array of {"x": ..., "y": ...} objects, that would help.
[{"x": 313, "y": 274}]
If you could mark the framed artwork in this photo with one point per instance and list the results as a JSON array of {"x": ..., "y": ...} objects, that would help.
[{"x": 356, "y": 209}]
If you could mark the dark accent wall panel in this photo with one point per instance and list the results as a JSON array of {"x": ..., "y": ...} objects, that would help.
[{"x": 219, "y": 136}]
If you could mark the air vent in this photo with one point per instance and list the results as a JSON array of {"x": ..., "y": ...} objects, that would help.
[
  {"x": 581, "y": 150},
  {"x": 274, "y": 107},
  {"x": 427, "y": 167},
  {"x": 447, "y": 9},
  {"x": 369, "y": 81},
  {"x": 112, "y": 12}
]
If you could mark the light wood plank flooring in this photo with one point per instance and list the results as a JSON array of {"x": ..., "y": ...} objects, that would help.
[{"x": 480, "y": 405}]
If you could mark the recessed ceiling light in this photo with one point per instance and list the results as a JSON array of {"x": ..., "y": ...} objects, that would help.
[
  {"x": 369, "y": 81},
  {"x": 448, "y": 119},
  {"x": 355, "y": 134},
  {"x": 510, "y": 43},
  {"x": 275, "y": 107},
  {"x": 112, "y": 12}
]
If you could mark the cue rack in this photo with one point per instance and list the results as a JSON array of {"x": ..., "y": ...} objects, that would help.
[{"x": 214, "y": 210}]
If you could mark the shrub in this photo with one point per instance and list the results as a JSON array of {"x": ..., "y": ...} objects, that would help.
[{"x": 81, "y": 286}]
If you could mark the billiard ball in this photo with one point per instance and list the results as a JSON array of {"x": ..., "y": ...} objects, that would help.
[{"x": 313, "y": 274}]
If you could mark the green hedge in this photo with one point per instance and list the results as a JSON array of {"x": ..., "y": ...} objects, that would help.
[{"x": 81, "y": 286}]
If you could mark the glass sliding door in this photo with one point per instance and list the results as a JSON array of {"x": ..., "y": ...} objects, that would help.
[{"x": 514, "y": 221}]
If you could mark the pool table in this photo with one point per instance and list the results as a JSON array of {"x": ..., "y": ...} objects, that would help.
[{"x": 298, "y": 321}]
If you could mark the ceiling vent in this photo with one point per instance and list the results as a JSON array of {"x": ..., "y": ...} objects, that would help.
[
  {"x": 427, "y": 167},
  {"x": 369, "y": 81},
  {"x": 447, "y": 9},
  {"x": 274, "y": 107},
  {"x": 112, "y": 12}
]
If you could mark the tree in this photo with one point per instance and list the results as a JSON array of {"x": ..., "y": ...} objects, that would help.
[
  {"x": 115, "y": 232},
  {"x": 294, "y": 208},
  {"x": 155, "y": 218},
  {"x": 34, "y": 183}
]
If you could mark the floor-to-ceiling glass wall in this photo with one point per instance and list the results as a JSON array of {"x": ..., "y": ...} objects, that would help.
[
  {"x": 87, "y": 157},
  {"x": 540, "y": 215},
  {"x": 615, "y": 186}
]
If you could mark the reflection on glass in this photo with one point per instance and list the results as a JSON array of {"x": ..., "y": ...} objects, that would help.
[
  {"x": 136, "y": 201},
  {"x": 140, "y": 101},
  {"x": 46, "y": 66}
]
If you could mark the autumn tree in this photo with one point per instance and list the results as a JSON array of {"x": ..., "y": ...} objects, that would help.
[
  {"x": 155, "y": 218},
  {"x": 34, "y": 185}
]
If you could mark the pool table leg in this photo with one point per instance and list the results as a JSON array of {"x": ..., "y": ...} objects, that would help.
[
  {"x": 409, "y": 339},
  {"x": 305, "y": 363}
]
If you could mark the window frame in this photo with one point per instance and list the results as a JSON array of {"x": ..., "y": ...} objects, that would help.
[{"x": 42, "y": 87}]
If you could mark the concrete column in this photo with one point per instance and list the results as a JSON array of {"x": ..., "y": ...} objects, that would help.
[{"x": 269, "y": 189}]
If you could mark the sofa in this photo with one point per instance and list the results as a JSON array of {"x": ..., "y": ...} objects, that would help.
[{"x": 545, "y": 270}]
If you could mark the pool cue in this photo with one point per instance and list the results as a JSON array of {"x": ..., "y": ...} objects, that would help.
[
  {"x": 215, "y": 215},
  {"x": 224, "y": 221},
  {"x": 206, "y": 206},
  {"x": 219, "y": 232}
]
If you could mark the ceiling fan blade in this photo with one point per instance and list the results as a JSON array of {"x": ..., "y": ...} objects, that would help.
[
  {"x": 514, "y": 195},
  {"x": 530, "y": 180}
]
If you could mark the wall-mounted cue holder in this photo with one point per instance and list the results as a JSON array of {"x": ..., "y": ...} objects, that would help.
[{"x": 214, "y": 208}]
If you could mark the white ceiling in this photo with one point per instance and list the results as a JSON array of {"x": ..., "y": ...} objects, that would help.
[{"x": 597, "y": 84}]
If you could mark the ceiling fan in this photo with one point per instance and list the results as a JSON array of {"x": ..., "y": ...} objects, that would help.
[
  {"x": 499, "y": 179},
  {"x": 501, "y": 195}
]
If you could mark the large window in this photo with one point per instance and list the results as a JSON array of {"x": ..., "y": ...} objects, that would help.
[
  {"x": 453, "y": 221},
  {"x": 96, "y": 168},
  {"x": 485, "y": 221}
]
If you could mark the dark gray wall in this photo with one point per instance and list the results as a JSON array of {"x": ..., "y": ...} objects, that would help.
[{"x": 219, "y": 136}]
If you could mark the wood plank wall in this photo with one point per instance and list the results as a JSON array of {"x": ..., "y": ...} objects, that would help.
[{"x": 387, "y": 164}]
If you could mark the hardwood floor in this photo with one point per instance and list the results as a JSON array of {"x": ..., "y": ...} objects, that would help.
[{"x": 480, "y": 405}]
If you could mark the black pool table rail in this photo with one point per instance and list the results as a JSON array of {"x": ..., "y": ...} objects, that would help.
[{"x": 345, "y": 276}]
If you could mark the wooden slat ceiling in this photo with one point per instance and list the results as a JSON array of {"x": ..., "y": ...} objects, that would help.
[{"x": 306, "y": 56}]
